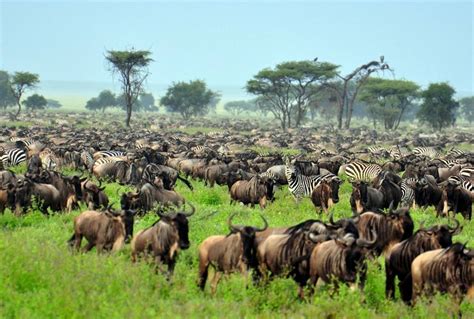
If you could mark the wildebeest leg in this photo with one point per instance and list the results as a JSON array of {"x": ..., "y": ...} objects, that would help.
[
  {"x": 88, "y": 247},
  {"x": 215, "y": 281},
  {"x": 171, "y": 265},
  {"x": 390, "y": 281},
  {"x": 406, "y": 288},
  {"x": 78, "y": 240},
  {"x": 203, "y": 273}
]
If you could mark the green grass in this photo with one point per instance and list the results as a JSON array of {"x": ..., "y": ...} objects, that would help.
[{"x": 41, "y": 278}]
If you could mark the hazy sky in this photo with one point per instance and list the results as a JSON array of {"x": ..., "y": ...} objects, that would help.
[{"x": 227, "y": 42}]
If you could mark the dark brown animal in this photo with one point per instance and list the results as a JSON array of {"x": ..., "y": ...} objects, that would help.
[
  {"x": 227, "y": 254},
  {"x": 449, "y": 270},
  {"x": 322, "y": 196},
  {"x": 390, "y": 228},
  {"x": 250, "y": 192},
  {"x": 340, "y": 260},
  {"x": 399, "y": 258},
  {"x": 163, "y": 240},
  {"x": 104, "y": 230}
]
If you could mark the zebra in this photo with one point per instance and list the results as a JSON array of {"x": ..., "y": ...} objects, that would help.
[
  {"x": 13, "y": 157},
  {"x": 430, "y": 152},
  {"x": 362, "y": 171},
  {"x": 408, "y": 193},
  {"x": 302, "y": 185},
  {"x": 378, "y": 151},
  {"x": 456, "y": 152},
  {"x": 87, "y": 159},
  {"x": 105, "y": 154}
]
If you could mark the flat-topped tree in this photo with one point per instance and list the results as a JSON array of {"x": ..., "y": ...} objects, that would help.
[
  {"x": 287, "y": 89},
  {"x": 132, "y": 67},
  {"x": 20, "y": 82}
]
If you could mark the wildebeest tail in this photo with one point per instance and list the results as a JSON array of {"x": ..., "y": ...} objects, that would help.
[{"x": 185, "y": 181}]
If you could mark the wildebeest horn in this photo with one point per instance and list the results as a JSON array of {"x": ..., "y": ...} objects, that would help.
[
  {"x": 233, "y": 228},
  {"x": 264, "y": 227},
  {"x": 456, "y": 229},
  {"x": 317, "y": 238},
  {"x": 193, "y": 210},
  {"x": 367, "y": 243},
  {"x": 390, "y": 207}
]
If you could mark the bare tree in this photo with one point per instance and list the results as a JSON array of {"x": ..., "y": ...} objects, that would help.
[{"x": 348, "y": 87}]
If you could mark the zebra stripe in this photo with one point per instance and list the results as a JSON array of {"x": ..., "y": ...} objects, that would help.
[
  {"x": 408, "y": 194},
  {"x": 13, "y": 157},
  {"x": 87, "y": 159},
  {"x": 425, "y": 151},
  {"x": 105, "y": 154},
  {"x": 301, "y": 185},
  {"x": 362, "y": 171}
]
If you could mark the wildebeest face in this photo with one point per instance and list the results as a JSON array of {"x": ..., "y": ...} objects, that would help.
[
  {"x": 247, "y": 235},
  {"x": 181, "y": 223},
  {"x": 335, "y": 190}
]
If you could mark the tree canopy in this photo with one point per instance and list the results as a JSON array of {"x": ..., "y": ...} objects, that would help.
[
  {"x": 388, "y": 99},
  {"x": 53, "y": 104},
  {"x": 439, "y": 107},
  {"x": 467, "y": 108},
  {"x": 36, "y": 102},
  {"x": 189, "y": 98},
  {"x": 104, "y": 100},
  {"x": 288, "y": 88},
  {"x": 6, "y": 95},
  {"x": 20, "y": 82},
  {"x": 132, "y": 68},
  {"x": 238, "y": 107}
]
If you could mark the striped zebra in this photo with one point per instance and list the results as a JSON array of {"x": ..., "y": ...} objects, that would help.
[
  {"x": 87, "y": 159},
  {"x": 467, "y": 172},
  {"x": 13, "y": 157},
  {"x": 104, "y": 154},
  {"x": 301, "y": 185},
  {"x": 456, "y": 152},
  {"x": 430, "y": 152},
  {"x": 378, "y": 151},
  {"x": 408, "y": 193},
  {"x": 359, "y": 171},
  {"x": 109, "y": 159}
]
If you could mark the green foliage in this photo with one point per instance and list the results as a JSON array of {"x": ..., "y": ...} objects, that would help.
[
  {"x": 41, "y": 278},
  {"x": 189, "y": 98},
  {"x": 439, "y": 107},
  {"x": 132, "y": 67},
  {"x": 6, "y": 95},
  {"x": 20, "y": 82},
  {"x": 388, "y": 99},
  {"x": 286, "y": 90},
  {"x": 105, "y": 99},
  {"x": 53, "y": 104},
  {"x": 467, "y": 108},
  {"x": 238, "y": 107},
  {"x": 36, "y": 102}
]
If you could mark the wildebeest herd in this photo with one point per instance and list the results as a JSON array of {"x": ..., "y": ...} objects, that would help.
[{"x": 416, "y": 171}]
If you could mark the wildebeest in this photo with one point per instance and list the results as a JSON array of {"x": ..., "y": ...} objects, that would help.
[
  {"x": 427, "y": 192},
  {"x": 115, "y": 170},
  {"x": 340, "y": 259},
  {"x": 288, "y": 253},
  {"x": 448, "y": 270},
  {"x": 322, "y": 196},
  {"x": 365, "y": 198},
  {"x": 399, "y": 258},
  {"x": 93, "y": 195},
  {"x": 390, "y": 228},
  {"x": 105, "y": 230},
  {"x": 235, "y": 252},
  {"x": 456, "y": 199},
  {"x": 256, "y": 191},
  {"x": 164, "y": 239},
  {"x": 47, "y": 195}
]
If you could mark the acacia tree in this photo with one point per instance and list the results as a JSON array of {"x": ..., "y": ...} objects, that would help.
[
  {"x": 388, "y": 99},
  {"x": 238, "y": 107},
  {"x": 467, "y": 108},
  {"x": 288, "y": 89},
  {"x": 439, "y": 107},
  {"x": 20, "y": 82},
  {"x": 36, "y": 102},
  {"x": 6, "y": 96},
  {"x": 132, "y": 67},
  {"x": 347, "y": 88},
  {"x": 189, "y": 99}
]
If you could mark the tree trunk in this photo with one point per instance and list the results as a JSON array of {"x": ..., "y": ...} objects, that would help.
[
  {"x": 129, "y": 114},
  {"x": 19, "y": 108}
]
